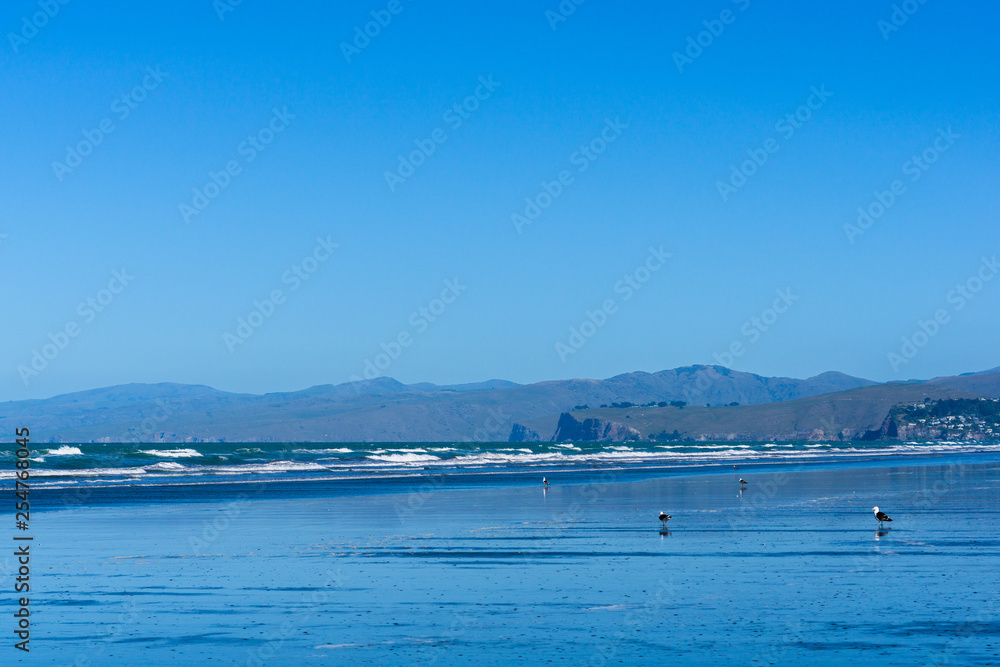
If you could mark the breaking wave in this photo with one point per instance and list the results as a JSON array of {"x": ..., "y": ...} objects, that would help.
[
  {"x": 171, "y": 453},
  {"x": 65, "y": 450},
  {"x": 224, "y": 463}
]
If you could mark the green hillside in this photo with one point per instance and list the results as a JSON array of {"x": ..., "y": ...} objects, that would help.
[{"x": 845, "y": 415}]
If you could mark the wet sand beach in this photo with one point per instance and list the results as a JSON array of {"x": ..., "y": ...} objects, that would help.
[{"x": 792, "y": 570}]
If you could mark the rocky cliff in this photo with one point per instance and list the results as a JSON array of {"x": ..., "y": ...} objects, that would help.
[
  {"x": 592, "y": 430},
  {"x": 519, "y": 433}
]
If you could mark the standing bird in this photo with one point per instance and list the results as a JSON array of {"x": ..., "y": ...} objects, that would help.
[
  {"x": 743, "y": 482},
  {"x": 881, "y": 516},
  {"x": 545, "y": 481},
  {"x": 664, "y": 517}
]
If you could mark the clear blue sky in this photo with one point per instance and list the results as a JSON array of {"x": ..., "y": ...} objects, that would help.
[{"x": 519, "y": 293}]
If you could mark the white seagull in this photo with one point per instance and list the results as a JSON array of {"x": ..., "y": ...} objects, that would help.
[
  {"x": 664, "y": 517},
  {"x": 743, "y": 481},
  {"x": 545, "y": 481},
  {"x": 881, "y": 516}
]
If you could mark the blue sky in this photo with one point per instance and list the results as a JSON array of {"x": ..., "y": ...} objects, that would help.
[{"x": 200, "y": 91}]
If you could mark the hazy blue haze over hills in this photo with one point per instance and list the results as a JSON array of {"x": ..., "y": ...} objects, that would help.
[{"x": 386, "y": 410}]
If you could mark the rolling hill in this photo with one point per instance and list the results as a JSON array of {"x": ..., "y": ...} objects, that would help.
[
  {"x": 844, "y": 415},
  {"x": 379, "y": 410},
  {"x": 828, "y": 406}
]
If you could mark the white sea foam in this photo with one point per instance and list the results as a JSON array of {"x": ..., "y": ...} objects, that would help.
[
  {"x": 693, "y": 454},
  {"x": 336, "y": 450},
  {"x": 78, "y": 472},
  {"x": 404, "y": 458},
  {"x": 494, "y": 458},
  {"x": 171, "y": 453},
  {"x": 166, "y": 465},
  {"x": 272, "y": 466},
  {"x": 390, "y": 463},
  {"x": 65, "y": 450}
]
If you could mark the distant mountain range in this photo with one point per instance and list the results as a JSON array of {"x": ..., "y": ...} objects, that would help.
[
  {"x": 855, "y": 414},
  {"x": 383, "y": 410}
]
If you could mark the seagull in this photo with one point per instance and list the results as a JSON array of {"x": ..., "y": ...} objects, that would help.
[
  {"x": 881, "y": 516},
  {"x": 742, "y": 482},
  {"x": 545, "y": 481},
  {"x": 664, "y": 517}
]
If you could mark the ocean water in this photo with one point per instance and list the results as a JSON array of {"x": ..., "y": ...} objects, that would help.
[
  {"x": 154, "y": 466},
  {"x": 225, "y": 555}
]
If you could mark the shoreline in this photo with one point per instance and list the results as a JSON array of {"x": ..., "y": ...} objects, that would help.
[
  {"x": 794, "y": 570},
  {"x": 321, "y": 485}
]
